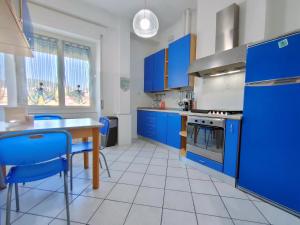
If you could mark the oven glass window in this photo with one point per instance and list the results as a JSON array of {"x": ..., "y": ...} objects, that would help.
[{"x": 207, "y": 141}]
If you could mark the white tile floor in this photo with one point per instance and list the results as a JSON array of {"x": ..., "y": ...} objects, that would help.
[{"x": 150, "y": 185}]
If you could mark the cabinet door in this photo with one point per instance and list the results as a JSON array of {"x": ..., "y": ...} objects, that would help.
[
  {"x": 139, "y": 124},
  {"x": 231, "y": 147},
  {"x": 149, "y": 125},
  {"x": 161, "y": 127},
  {"x": 159, "y": 70},
  {"x": 179, "y": 61},
  {"x": 148, "y": 73},
  {"x": 173, "y": 129},
  {"x": 275, "y": 59},
  {"x": 269, "y": 157}
]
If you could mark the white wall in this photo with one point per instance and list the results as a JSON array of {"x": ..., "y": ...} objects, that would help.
[
  {"x": 176, "y": 31},
  {"x": 139, "y": 50},
  {"x": 292, "y": 21},
  {"x": 282, "y": 17},
  {"x": 111, "y": 35},
  {"x": 225, "y": 92}
]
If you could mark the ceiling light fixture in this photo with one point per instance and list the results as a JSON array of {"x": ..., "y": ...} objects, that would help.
[{"x": 145, "y": 23}]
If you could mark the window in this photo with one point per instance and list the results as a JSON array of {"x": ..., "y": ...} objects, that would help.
[
  {"x": 3, "y": 87},
  {"x": 77, "y": 73},
  {"x": 58, "y": 74},
  {"x": 42, "y": 72}
]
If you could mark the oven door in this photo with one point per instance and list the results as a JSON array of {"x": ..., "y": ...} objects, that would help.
[{"x": 207, "y": 141}]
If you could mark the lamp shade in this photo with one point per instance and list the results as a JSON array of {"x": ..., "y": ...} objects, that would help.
[{"x": 145, "y": 23}]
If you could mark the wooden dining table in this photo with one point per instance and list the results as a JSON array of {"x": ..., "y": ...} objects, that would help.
[{"x": 82, "y": 128}]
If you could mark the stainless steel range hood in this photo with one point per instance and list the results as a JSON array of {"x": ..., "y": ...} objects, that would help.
[{"x": 228, "y": 58}]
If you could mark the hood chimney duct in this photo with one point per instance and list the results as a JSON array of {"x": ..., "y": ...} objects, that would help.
[
  {"x": 187, "y": 21},
  {"x": 227, "y": 28}
]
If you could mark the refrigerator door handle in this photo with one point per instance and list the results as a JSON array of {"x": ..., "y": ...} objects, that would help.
[{"x": 275, "y": 82}]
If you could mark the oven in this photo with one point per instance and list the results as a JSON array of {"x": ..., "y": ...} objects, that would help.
[{"x": 205, "y": 137}]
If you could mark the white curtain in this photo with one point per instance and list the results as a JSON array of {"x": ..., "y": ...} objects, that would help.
[
  {"x": 42, "y": 72},
  {"x": 3, "y": 88},
  {"x": 77, "y": 74}
]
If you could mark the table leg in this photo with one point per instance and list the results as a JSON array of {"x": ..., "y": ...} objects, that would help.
[
  {"x": 85, "y": 155},
  {"x": 96, "y": 168}
]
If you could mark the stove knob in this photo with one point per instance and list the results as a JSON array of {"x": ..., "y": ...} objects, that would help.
[{"x": 211, "y": 122}]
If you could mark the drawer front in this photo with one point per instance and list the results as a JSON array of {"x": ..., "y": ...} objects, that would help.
[{"x": 204, "y": 161}]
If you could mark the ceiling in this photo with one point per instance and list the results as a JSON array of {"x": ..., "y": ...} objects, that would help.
[{"x": 167, "y": 11}]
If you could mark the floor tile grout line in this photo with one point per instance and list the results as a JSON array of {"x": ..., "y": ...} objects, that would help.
[
  {"x": 110, "y": 191},
  {"x": 133, "y": 203},
  {"x": 51, "y": 192},
  {"x": 56, "y": 217},
  {"x": 260, "y": 212},
  {"x": 162, "y": 211},
  {"x": 138, "y": 188},
  {"x": 192, "y": 197},
  {"x": 93, "y": 214},
  {"x": 222, "y": 201},
  {"x": 239, "y": 199}
]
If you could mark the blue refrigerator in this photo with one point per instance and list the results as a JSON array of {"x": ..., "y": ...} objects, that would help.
[{"x": 270, "y": 144}]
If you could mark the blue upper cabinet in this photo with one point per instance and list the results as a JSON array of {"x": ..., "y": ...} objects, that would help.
[
  {"x": 159, "y": 71},
  {"x": 275, "y": 59},
  {"x": 148, "y": 73},
  {"x": 154, "y": 70},
  {"x": 232, "y": 134},
  {"x": 173, "y": 129},
  {"x": 181, "y": 54}
]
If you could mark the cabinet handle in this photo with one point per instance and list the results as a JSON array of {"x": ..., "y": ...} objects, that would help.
[{"x": 231, "y": 128}]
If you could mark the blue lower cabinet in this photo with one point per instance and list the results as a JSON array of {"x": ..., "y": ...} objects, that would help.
[
  {"x": 139, "y": 122},
  {"x": 141, "y": 117},
  {"x": 173, "y": 129},
  {"x": 205, "y": 161},
  {"x": 149, "y": 124},
  {"x": 232, "y": 132},
  {"x": 159, "y": 126}
]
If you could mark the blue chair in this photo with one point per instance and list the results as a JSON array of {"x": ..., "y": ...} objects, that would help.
[
  {"x": 47, "y": 117},
  {"x": 83, "y": 147},
  {"x": 34, "y": 155}
]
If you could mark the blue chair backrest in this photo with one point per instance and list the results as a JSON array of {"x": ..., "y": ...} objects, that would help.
[
  {"x": 47, "y": 117},
  {"x": 30, "y": 147},
  {"x": 105, "y": 129}
]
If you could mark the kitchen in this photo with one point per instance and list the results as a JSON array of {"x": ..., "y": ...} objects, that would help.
[{"x": 198, "y": 110}]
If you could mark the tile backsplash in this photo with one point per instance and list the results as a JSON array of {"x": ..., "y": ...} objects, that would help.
[{"x": 223, "y": 92}]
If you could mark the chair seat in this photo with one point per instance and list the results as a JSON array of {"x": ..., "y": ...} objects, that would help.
[
  {"x": 23, "y": 174},
  {"x": 83, "y": 147}
]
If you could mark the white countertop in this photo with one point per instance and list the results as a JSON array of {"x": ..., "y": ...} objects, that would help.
[{"x": 189, "y": 113}]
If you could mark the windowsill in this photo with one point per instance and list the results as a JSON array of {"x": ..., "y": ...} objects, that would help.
[{"x": 56, "y": 109}]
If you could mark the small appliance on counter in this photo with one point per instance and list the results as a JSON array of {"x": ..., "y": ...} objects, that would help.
[
  {"x": 162, "y": 104},
  {"x": 186, "y": 100}
]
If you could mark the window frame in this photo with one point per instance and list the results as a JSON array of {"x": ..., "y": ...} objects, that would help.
[{"x": 62, "y": 108}]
